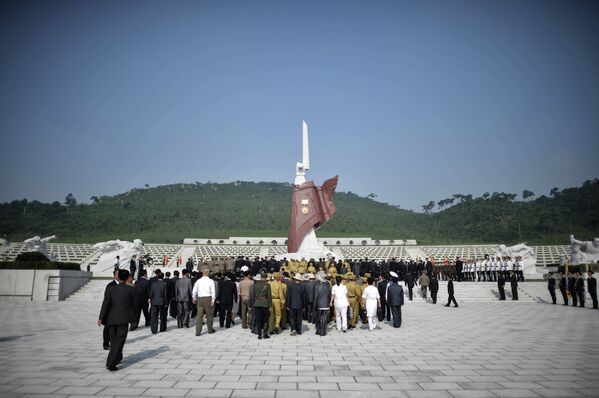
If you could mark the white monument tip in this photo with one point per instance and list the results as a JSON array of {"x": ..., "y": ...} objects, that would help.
[{"x": 305, "y": 146}]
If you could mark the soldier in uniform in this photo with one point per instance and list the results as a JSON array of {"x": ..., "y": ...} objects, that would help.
[{"x": 353, "y": 295}]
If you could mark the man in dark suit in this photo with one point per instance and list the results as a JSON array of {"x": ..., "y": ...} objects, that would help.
[
  {"x": 433, "y": 285},
  {"x": 410, "y": 284},
  {"x": 172, "y": 296},
  {"x": 158, "y": 303},
  {"x": 294, "y": 300},
  {"x": 501, "y": 286},
  {"x": 394, "y": 297},
  {"x": 183, "y": 290},
  {"x": 142, "y": 288},
  {"x": 572, "y": 289},
  {"x": 459, "y": 265},
  {"x": 579, "y": 286},
  {"x": 106, "y": 332},
  {"x": 450, "y": 292},
  {"x": 116, "y": 314},
  {"x": 563, "y": 287},
  {"x": 551, "y": 287},
  {"x": 382, "y": 288},
  {"x": 592, "y": 288},
  {"x": 133, "y": 266},
  {"x": 227, "y": 295}
]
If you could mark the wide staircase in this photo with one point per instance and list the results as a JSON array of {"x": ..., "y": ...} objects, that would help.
[
  {"x": 91, "y": 291},
  {"x": 478, "y": 292}
]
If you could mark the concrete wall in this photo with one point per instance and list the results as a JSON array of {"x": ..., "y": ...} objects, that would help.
[{"x": 40, "y": 285}]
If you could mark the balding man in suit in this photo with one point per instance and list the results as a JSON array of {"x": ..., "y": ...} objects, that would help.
[{"x": 118, "y": 310}]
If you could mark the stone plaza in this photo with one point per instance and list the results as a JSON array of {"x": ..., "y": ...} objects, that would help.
[{"x": 481, "y": 349}]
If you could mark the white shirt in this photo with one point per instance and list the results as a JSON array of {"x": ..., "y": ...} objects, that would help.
[
  {"x": 510, "y": 265},
  {"x": 204, "y": 287},
  {"x": 340, "y": 293}
]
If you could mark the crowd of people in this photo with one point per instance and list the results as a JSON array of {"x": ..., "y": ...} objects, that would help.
[{"x": 270, "y": 296}]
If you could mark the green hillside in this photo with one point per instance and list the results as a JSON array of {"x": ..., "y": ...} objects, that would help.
[{"x": 172, "y": 212}]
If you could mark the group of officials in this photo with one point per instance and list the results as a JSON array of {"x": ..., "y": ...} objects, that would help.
[{"x": 572, "y": 287}]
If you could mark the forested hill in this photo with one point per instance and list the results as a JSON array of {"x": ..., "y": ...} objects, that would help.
[{"x": 172, "y": 212}]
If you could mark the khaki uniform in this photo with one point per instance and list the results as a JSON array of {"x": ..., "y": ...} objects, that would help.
[
  {"x": 311, "y": 269},
  {"x": 279, "y": 291},
  {"x": 293, "y": 267},
  {"x": 354, "y": 295}
]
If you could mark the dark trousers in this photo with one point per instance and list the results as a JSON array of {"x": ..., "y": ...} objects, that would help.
[
  {"x": 105, "y": 337},
  {"x": 308, "y": 312},
  {"x": 118, "y": 335},
  {"x": 410, "y": 294},
  {"x": 224, "y": 312},
  {"x": 501, "y": 293},
  {"x": 581, "y": 297},
  {"x": 594, "y": 297},
  {"x": 173, "y": 308},
  {"x": 386, "y": 310},
  {"x": 450, "y": 299},
  {"x": 514, "y": 293},
  {"x": 295, "y": 320},
  {"x": 322, "y": 322},
  {"x": 142, "y": 307},
  {"x": 155, "y": 312},
  {"x": 564, "y": 296},
  {"x": 132, "y": 271},
  {"x": 396, "y": 312},
  {"x": 261, "y": 314},
  {"x": 574, "y": 298},
  {"x": 553, "y": 297},
  {"x": 183, "y": 313},
  {"x": 434, "y": 297}
]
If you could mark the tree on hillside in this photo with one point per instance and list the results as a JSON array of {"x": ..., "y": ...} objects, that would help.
[
  {"x": 554, "y": 191},
  {"x": 486, "y": 195},
  {"x": 372, "y": 196},
  {"x": 70, "y": 200},
  {"x": 527, "y": 194},
  {"x": 427, "y": 208},
  {"x": 94, "y": 199},
  {"x": 147, "y": 185}
]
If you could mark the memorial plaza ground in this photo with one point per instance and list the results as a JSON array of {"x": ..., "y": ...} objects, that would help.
[{"x": 481, "y": 349}]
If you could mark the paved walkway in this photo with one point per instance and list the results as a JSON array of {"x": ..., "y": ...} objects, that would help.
[{"x": 477, "y": 350}]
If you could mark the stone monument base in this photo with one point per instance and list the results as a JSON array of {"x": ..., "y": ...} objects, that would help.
[{"x": 310, "y": 248}]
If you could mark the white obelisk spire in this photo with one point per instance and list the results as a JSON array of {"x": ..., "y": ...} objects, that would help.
[
  {"x": 301, "y": 167},
  {"x": 305, "y": 147}
]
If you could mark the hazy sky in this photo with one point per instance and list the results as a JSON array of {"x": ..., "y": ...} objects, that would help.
[{"x": 412, "y": 100}]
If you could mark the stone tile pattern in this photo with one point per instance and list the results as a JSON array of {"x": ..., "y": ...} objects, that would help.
[{"x": 477, "y": 350}]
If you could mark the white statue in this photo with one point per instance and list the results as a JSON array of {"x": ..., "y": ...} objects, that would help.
[
  {"x": 37, "y": 244},
  {"x": 112, "y": 249},
  {"x": 584, "y": 252},
  {"x": 528, "y": 256}
]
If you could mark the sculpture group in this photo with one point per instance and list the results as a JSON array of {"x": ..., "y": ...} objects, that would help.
[{"x": 584, "y": 252}]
